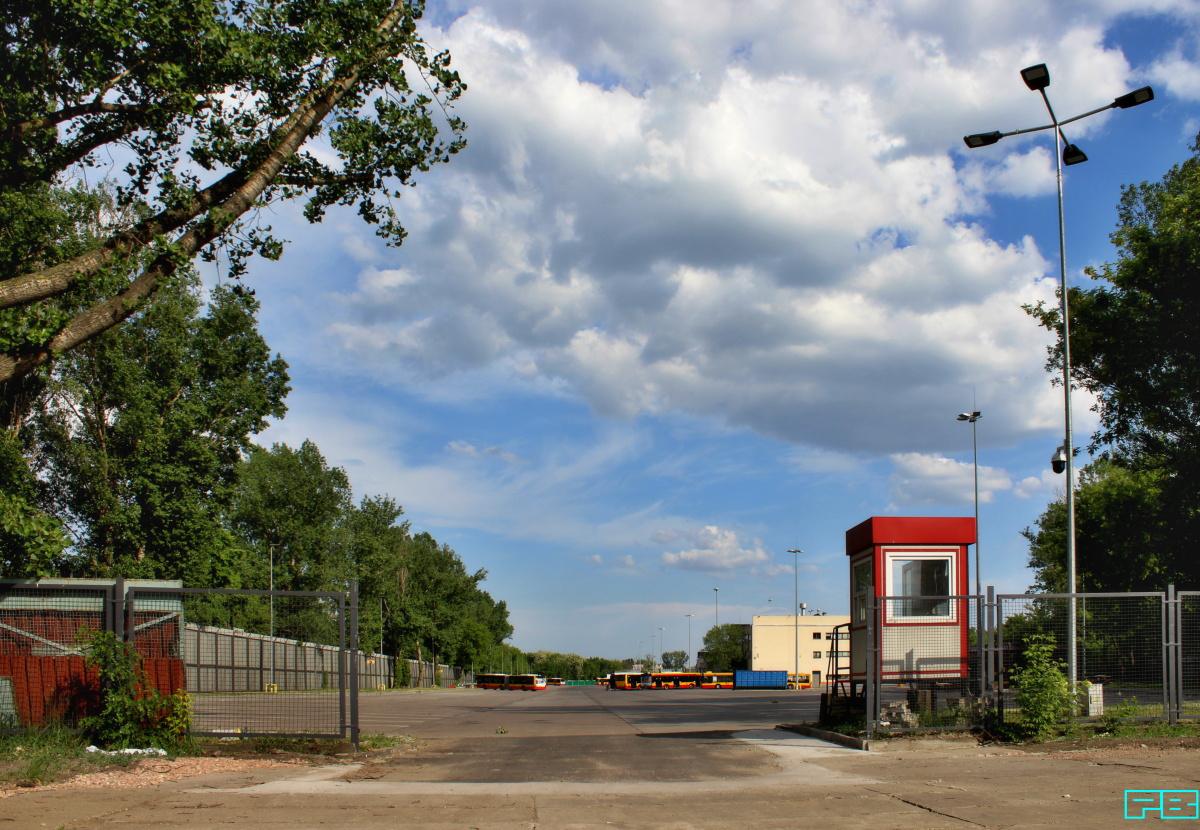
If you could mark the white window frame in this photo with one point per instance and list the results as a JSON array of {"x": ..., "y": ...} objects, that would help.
[{"x": 892, "y": 555}]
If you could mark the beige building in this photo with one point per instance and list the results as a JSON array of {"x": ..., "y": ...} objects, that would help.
[{"x": 774, "y": 639}]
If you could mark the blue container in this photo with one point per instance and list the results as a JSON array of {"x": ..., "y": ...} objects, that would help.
[{"x": 760, "y": 679}]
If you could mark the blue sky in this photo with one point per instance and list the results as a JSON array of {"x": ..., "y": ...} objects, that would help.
[{"x": 707, "y": 287}]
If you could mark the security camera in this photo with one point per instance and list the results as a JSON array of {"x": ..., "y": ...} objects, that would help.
[{"x": 1058, "y": 461}]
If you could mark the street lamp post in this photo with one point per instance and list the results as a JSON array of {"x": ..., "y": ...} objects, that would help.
[
  {"x": 716, "y": 608},
  {"x": 662, "y": 644},
  {"x": 1037, "y": 78},
  {"x": 796, "y": 610},
  {"x": 972, "y": 417},
  {"x": 689, "y": 619}
]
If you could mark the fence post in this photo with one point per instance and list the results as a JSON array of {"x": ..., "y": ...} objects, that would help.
[
  {"x": 118, "y": 609},
  {"x": 872, "y": 677},
  {"x": 990, "y": 663},
  {"x": 980, "y": 647},
  {"x": 354, "y": 663},
  {"x": 1172, "y": 656}
]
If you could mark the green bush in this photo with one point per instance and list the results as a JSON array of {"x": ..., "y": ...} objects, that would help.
[
  {"x": 131, "y": 714},
  {"x": 1043, "y": 691},
  {"x": 403, "y": 673}
]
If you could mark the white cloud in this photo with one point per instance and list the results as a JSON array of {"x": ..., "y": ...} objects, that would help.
[
  {"x": 1177, "y": 74},
  {"x": 759, "y": 236},
  {"x": 718, "y": 549},
  {"x": 919, "y": 479}
]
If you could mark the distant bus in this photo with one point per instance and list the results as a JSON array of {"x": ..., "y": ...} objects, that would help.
[
  {"x": 717, "y": 680},
  {"x": 625, "y": 680},
  {"x": 555, "y": 681},
  {"x": 526, "y": 682},
  {"x": 491, "y": 681},
  {"x": 799, "y": 681},
  {"x": 670, "y": 680}
]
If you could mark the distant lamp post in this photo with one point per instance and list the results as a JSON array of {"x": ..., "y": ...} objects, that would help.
[
  {"x": 689, "y": 619},
  {"x": 972, "y": 417},
  {"x": 796, "y": 610},
  {"x": 716, "y": 608},
  {"x": 1037, "y": 78}
]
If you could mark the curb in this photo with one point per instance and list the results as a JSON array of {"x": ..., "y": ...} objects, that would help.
[{"x": 833, "y": 737}]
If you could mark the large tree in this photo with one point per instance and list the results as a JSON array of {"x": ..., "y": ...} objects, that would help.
[
  {"x": 1123, "y": 533},
  {"x": 725, "y": 648},
  {"x": 1136, "y": 347},
  {"x": 290, "y": 507},
  {"x": 135, "y": 436},
  {"x": 212, "y": 108}
]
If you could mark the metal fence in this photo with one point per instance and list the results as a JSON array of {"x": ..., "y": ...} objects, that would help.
[
  {"x": 257, "y": 662},
  {"x": 43, "y": 634},
  {"x": 942, "y": 662},
  {"x": 924, "y": 666},
  {"x": 1123, "y": 648}
]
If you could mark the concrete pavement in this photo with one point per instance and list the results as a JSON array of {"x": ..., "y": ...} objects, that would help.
[{"x": 681, "y": 775}]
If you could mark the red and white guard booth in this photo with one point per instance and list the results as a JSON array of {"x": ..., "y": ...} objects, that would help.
[{"x": 920, "y": 565}]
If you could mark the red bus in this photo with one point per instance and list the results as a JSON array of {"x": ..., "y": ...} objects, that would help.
[
  {"x": 670, "y": 680},
  {"x": 526, "y": 682},
  {"x": 491, "y": 681}
]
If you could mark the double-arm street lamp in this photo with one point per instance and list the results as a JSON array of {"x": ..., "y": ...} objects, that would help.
[{"x": 1037, "y": 78}]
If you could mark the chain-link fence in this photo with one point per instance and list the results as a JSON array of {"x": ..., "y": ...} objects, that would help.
[
  {"x": 1188, "y": 673},
  {"x": 256, "y": 662},
  {"x": 43, "y": 632},
  {"x": 1119, "y": 655},
  {"x": 924, "y": 671},
  {"x": 941, "y": 662}
]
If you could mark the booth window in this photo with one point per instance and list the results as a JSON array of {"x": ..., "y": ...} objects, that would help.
[
  {"x": 928, "y": 580},
  {"x": 860, "y": 590}
]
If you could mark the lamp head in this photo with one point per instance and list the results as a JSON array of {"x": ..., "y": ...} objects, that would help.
[
  {"x": 1132, "y": 99},
  {"x": 1036, "y": 77},
  {"x": 982, "y": 139},
  {"x": 1073, "y": 155}
]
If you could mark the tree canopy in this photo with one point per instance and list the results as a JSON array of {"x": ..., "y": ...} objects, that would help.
[
  {"x": 725, "y": 648},
  {"x": 1136, "y": 348},
  {"x": 199, "y": 112}
]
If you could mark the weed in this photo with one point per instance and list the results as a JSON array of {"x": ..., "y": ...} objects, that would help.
[
  {"x": 1043, "y": 693},
  {"x": 131, "y": 714},
  {"x": 1119, "y": 715}
]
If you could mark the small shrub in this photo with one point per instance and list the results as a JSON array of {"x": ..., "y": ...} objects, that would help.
[
  {"x": 131, "y": 714},
  {"x": 1043, "y": 692},
  {"x": 403, "y": 674}
]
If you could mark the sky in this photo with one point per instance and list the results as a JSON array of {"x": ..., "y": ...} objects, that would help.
[{"x": 712, "y": 282}]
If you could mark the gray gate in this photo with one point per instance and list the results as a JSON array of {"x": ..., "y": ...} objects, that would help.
[{"x": 256, "y": 663}]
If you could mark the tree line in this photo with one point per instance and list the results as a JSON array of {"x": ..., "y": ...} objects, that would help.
[{"x": 132, "y": 456}]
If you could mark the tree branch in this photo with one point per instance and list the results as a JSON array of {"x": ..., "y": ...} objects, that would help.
[
  {"x": 54, "y": 118},
  {"x": 241, "y": 190}
]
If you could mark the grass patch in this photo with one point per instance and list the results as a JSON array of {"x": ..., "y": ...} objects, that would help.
[
  {"x": 269, "y": 745},
  {"x": 50, "y": 755}
]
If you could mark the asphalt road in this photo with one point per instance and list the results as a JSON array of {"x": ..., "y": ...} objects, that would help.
[{"x": 589, "y": 759}]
